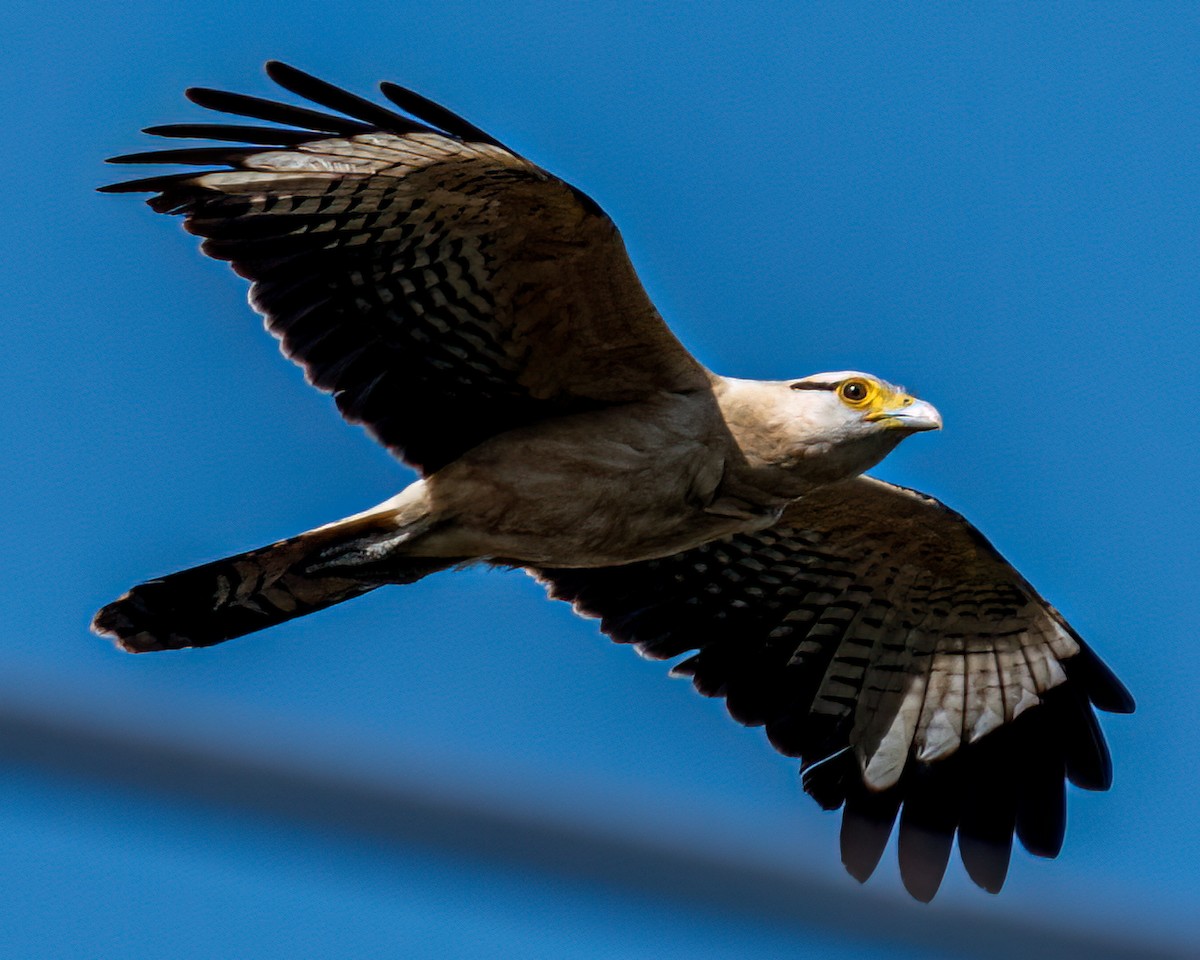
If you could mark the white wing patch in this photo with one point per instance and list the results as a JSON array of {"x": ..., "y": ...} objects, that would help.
[
  {"x": 974, "y": 684},
  {"x": 368, "y": 154}
]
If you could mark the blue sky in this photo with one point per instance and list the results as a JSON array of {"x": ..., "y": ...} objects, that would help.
[{"x": 993, "y": 204}]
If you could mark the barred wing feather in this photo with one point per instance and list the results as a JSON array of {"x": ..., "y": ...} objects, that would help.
[
  {"x": 877, "y": 636},
  {"x": 440, "y": 286}
]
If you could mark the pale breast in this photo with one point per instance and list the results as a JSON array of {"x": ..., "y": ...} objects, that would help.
[{"x": 606, "y": 487}]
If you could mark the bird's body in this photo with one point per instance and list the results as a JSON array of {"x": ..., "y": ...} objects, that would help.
[
  {"x": 645, "y": 479},
  {"x": 649, "y": 474},
  {"x": 481, "y": 317}
]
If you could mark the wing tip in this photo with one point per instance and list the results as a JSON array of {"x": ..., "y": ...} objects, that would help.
[
  {"x": 867, "y": 824},
  {"x": 148, "y": 185},
  {"x": 924, "y": 856},
  {"x": 1108, "y": 693},
  {"x": 986, "y": 862},
  {"x": 201, "y": 96},
  {"x": 141, "y": 156},
  {"x": 280, "y": 72}
]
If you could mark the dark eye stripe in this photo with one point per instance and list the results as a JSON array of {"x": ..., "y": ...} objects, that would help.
[{"x": 813, "y": 385}]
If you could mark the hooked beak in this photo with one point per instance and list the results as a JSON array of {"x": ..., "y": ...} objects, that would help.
[{"x": 910, "y": 414}]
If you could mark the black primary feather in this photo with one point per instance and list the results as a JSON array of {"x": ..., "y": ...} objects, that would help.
[
  {"x": 242, "y": 105},
  {"x": 233, "y": 132},
  {"x": 192, "y": 156},
  {"x": 770, "y": 616},
  {"x": 433, "y": 113},
  {"x": 335, "y": 98}
]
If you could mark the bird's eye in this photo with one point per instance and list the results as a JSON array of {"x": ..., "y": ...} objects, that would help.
[{"x": 854, "y": 391}]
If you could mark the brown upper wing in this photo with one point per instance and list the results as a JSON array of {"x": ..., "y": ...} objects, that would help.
[
  {"x": 879, "y": 637},
  {"x": 440, "y": 286}
]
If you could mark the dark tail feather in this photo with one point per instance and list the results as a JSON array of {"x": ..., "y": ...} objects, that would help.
[{"x": 241, "y": 594}]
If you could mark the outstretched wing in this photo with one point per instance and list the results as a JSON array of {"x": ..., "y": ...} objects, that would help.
[
  {"x": 878, "y": 636},
  {"x": 441, "y": 287}
]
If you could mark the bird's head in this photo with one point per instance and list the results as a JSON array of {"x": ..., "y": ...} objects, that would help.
[
  {"x": 855, "y": 405},
  {"x": 823, "y": 428},
  {"x": 853, "y": 420}
]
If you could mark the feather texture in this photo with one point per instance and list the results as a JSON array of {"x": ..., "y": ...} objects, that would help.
[
  {"x": 882, "y": 640},
  {"x": 481, "y": 318},
  {"x": 399, "y": 259}
]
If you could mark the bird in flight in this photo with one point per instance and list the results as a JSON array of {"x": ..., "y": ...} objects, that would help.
[{"x": 481, "y": 319}]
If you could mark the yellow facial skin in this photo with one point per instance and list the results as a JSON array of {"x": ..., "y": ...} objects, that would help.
[
  {"x": 880, "y": 400},
  {"x": 875, "y": 401}
]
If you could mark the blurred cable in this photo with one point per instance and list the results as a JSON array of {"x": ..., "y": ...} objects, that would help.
[{"x": 396, "y": 817}]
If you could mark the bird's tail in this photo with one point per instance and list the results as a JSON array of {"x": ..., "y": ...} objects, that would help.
[{"x": 250, "y": 591}]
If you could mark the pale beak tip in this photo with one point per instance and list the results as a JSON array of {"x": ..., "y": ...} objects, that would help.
[{"x": 919, "y": 416}]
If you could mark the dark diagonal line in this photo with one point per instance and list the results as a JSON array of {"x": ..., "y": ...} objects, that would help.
[{"x": 397, "y": 816}]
